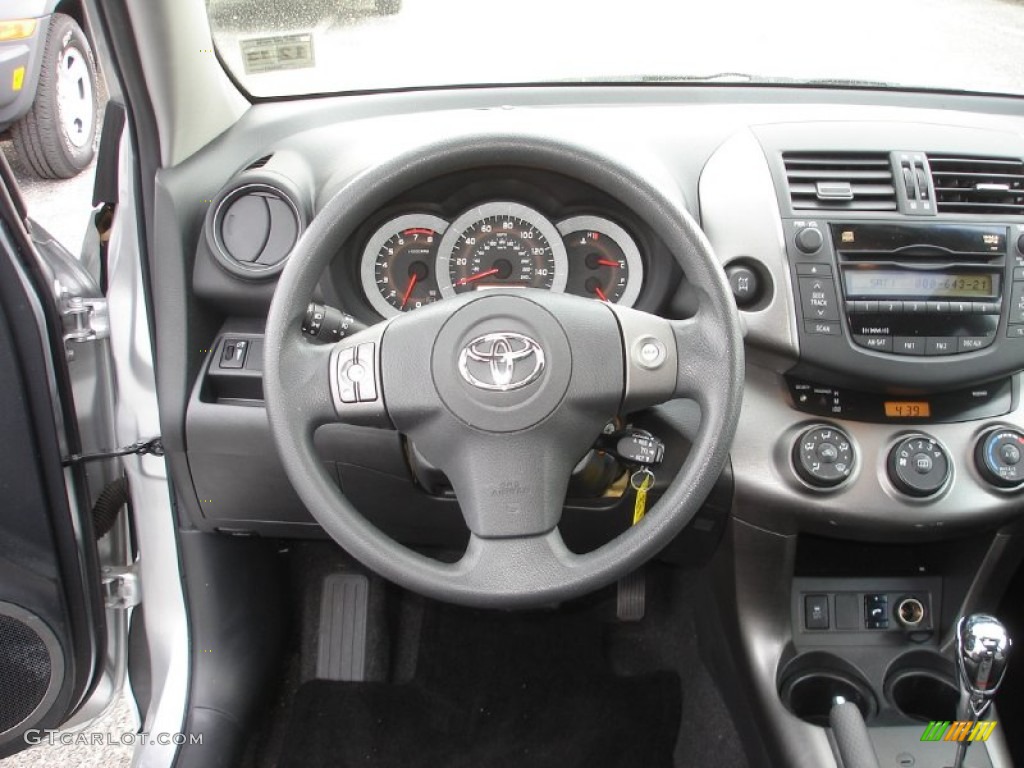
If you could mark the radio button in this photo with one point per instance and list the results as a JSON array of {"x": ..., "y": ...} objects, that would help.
[
  {"x": 809, "y": 239},
  {"x": 814, "y": 269},
  {"x": 986, "y": 308},
  {"x": 890, "y": 307},
  {"x": 938, "y": 307},
  {"x": 941, "y": 345},
  {"x": 961, "y": 307},
  {"x": 908, "y": 345},
  {"x": 877, "y": 343},
  {"x": 818, "y": 298},
  {"x": 915, "y": 307},
  {"x": 1017, "y": 303},
  {"x": 822, "y": 328},
  {"x": 973, "y": 343}
]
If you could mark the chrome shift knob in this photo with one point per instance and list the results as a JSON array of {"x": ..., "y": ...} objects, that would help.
[{"x": 983, "y": 647}]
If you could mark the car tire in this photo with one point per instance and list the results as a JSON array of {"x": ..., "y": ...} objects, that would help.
[
  {"x": 388, "y": 7},
  {"x": 56, "y": 139}
]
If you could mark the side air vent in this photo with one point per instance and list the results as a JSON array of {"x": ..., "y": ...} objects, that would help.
[
  {"x": 993, "y": 185},
  {"x": 254, "y": 228},
  {"x": 848, "y": 181}
]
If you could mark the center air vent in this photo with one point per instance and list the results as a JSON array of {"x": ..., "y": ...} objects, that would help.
[
  {"x": 993, "y": 185},
  {"x": 847, "y": 181},
  {"x": 254, "y": 228}
]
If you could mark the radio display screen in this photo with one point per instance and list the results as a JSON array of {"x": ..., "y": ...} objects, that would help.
[{"x": 920, "y": 284}]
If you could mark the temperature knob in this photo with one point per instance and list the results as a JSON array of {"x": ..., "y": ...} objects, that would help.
[
  {"x": 823, "y": 456},
  {"x": 1000, "y": 457},
  {"x": 919, "y": 466}
]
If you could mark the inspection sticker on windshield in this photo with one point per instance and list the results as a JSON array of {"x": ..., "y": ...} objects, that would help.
[{"x": 267, "y": 54}]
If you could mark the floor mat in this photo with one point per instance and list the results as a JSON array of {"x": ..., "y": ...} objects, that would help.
[{"x": 493, "y": 690}]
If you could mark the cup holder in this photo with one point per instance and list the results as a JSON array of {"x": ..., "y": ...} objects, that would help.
[
  {"x": 923, "y": 687},
  {"x": 810, "y": 683}
]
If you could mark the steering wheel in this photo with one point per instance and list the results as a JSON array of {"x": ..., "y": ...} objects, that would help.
[{"x": 504, "y": 391}]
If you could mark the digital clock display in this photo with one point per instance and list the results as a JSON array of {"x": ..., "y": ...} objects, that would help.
[
  {"x": 920, "y": 284},
  {"x": 907, "y": 409}
]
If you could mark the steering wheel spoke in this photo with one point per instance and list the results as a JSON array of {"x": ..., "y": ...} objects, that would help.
[
  {"x": 357, "y": 388},
  {"x": 702, "y": 348},
  {"x": 512, "y": 485},
  {"x": 523, "y": 567}
]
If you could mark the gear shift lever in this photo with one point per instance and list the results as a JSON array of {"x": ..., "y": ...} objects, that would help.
[{"x": 982, "y": 648}]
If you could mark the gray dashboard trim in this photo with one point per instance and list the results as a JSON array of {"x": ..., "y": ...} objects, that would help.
[
  {"x": 738, "y": 209},
  {"x": 770, "y": 495}
]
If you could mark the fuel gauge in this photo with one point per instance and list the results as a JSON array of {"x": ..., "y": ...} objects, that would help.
[{"x": 604, "y": 261}]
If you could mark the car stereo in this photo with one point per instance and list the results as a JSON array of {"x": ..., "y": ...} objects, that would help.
[{"x": 906, "y": 292}]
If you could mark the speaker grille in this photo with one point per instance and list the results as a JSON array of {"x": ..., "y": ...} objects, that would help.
[{"x": 25, "y": 671}]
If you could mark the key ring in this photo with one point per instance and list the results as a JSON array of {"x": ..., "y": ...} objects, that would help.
[{"x": 642, "y": 479}]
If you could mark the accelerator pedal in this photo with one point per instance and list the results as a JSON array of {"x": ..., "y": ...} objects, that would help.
[{"x": 341, "y": 643}]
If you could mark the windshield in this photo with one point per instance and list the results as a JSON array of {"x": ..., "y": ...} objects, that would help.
[{"x": 293, "y": 47}]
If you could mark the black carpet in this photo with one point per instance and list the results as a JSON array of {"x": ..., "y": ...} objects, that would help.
[{"x": 493, "y": 690}]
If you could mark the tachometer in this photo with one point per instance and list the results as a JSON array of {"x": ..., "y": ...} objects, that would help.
[
  {"x": 501, "y": 245},
  {"x": 397, "y": 269},
  {"x": 604, "y": 262}
]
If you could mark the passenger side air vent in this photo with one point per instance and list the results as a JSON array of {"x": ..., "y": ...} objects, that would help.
[
  {"x": 993, "y": 185},
  {"x": 847, "y": 181}
]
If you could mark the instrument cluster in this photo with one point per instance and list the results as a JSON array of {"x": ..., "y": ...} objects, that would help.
[{"x": 419, "y": 258}]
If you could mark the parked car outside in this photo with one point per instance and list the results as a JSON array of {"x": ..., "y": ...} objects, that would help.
[{"x": 49, "y": 91}]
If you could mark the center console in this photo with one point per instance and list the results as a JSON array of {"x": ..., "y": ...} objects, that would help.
[{"x": 882, "y": 433}]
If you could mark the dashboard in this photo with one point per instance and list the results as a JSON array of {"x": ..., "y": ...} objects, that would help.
[
  {"x": 874, "y": 246},
  {"x": 875, "y": 251}
]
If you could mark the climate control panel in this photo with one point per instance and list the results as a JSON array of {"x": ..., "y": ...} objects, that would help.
[{"x": 917, "y": 465}]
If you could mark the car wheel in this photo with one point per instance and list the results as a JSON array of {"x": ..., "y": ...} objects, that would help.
[
  {"x": 56, "y": 139},
  {"x": 388, "y": 7}
]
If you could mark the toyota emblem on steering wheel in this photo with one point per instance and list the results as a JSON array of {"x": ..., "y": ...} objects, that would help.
[{"x": 501, "y": 362}]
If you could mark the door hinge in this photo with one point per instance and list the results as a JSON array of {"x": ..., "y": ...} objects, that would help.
[
  {"x": 85, "y": 319},
  {"x": 121, "y": 587},
  {"x": 154, "y": 446}
]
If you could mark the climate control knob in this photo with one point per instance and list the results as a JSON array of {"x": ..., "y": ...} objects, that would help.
[
  {"x": 823, "y": 456},
  {"x": 919, "y": 466},
  {"x": 1000, "y": 457}
]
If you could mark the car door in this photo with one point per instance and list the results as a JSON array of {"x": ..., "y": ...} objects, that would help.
[{"x": 54, "y": 599}]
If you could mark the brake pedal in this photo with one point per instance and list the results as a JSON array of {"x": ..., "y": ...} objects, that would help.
[
  {"x": 631, "y": 597},
  {"x": 341, "y": 643}
]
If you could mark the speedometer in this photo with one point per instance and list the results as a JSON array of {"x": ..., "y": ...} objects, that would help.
[{"x": 501, "y": 245}]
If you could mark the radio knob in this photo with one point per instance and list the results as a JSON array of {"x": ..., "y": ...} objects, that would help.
[
  {"x": 918, "y": 466},
  {"x": 1000, "y": 457},
  {"x": 823, "y": 456},
  {"x": 809, "y": 240}
]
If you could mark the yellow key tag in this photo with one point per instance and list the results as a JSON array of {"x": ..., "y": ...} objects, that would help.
[{"x": 641, "y": 481}]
